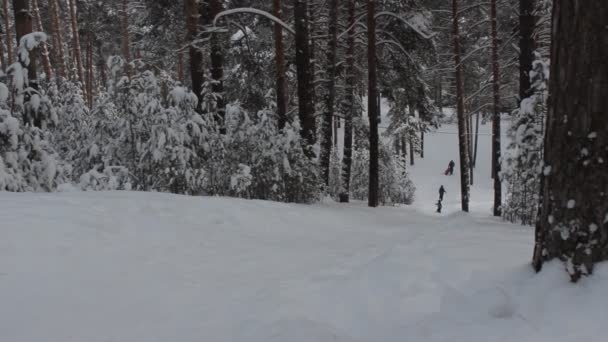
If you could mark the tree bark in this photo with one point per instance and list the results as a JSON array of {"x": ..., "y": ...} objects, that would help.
[
  {"x": 281, "y": 84},
  {"x": 304, "y": 69},
  {"x": 330, "y": 95},
  {"x": 372, "y": 107},
  {"x": 57, "y": 37},
  {"x": 76, "y": 41},
  {"x": 496, "y": 116},
  {"x": 462, "y": 139},
  {"x": 350, "y": 101},
  {"x": 196, "y": 56},
  {"x": 46, "y": 62},
  {"x": 7, "y": 32},
  {"x": 573, "y": 222},
  {"x": 526, "y": 45}
]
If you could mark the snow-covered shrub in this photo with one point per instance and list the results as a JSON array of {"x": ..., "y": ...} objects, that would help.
[
  {"x": 395, "y": 185},
  {"x": 28, "y": 161},
  {"x": 522, "y": 162},
  {"x": 253, "y": 159}
]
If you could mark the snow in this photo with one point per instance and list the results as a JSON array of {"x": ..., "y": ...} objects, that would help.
[
  {"x": 571, "y": 204},
  {"x": 133, "y": 266}
]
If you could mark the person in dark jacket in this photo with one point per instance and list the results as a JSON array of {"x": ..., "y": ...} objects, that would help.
[
  {"x": 451, "y": 167},
  {"x": 438, "y": 204},
  {"x": 441, "y": 193}
]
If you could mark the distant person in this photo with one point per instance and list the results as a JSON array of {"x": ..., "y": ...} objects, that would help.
[
  {"x": 438, "y": 204},
  {"x": 441, "y": 193},
  {"x": 451, "y": 167}
]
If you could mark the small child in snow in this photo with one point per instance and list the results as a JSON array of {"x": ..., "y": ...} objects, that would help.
[
  {"x": 438, "y": 204},
  {"x": 441, "y": 193}
]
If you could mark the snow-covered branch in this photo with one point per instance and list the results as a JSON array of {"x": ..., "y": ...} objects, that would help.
[{"x": 254, "y": 11}]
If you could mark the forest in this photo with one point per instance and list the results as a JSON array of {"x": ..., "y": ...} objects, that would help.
[
  {"x": 281, "y": 100},
  {"x": 303, "y": 170}
]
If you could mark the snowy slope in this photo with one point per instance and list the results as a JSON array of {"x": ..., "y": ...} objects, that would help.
[
  {"x": 145, "y": 267},
  {"x": 120, "y": 266},
  {"x": 441, "y": 146}
]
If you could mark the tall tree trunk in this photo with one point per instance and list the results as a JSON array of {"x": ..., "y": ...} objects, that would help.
[
  {"x": 7, "y": 32},
  {"x": 462, "y": 139},
  {"x": 126, "y": 42},
  {"x": 76, "y": 42},
  {"x": 573, "y": 225},
  {"x": 197, "y": 75},
  {"x": 422, "y": 144},
  {"x": 410, "y": 136},
  {"x": 23, "y": 26},
  {"x": 496, "y": 117},
  {"x": 330, "y": 95},
  {"x": 89, "y": 57},
  {"x": 526, "y": 46},
  {"x": 46, "y": 62},
  {"x": 476, "y": 138},
  {"x": 304, "y": 69},
  {"x": 2, "y": 59},
  {"x": 372, "y": 108},
  {"x": 57, "y": 37},
  {"x": 281, "y": 84},
  {"x": 350, "y": 101},
  {"x": 217, "y": 66}
]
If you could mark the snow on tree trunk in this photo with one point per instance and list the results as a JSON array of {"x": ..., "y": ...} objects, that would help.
[
  {"x": 573, "y": 222},
  {"x": 372, "y": 108},
  {"x": 496, "y": 116},
  {"x": 7, "y": 32},
  {"x": 304, "y": 69},
  {"x": 462, "y": 138},
  {"x": 217, "y": 65}
]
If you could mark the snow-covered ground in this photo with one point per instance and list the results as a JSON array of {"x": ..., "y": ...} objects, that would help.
[{"x": 145, "y": 267}]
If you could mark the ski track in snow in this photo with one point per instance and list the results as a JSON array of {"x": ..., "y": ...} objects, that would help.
[{"x": 129, "y": 266}]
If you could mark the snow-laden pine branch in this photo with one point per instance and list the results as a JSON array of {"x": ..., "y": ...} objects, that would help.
[{"x": 254, "y": 11}]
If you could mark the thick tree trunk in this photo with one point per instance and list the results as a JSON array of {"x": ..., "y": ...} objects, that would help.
[
  {"x": 496, "y": 116},
  {"x": 526, "y": 45},
  {"x": 46, "y": 62},
  {"x": 304, "y": 69},
  {"x": 57, "y": 37},
  {"x": 462, "y": 139},
  {"x": 350, "y": 101},
  {"x": 7, "y": 32},
  {"x": 197, "y": 75},
  {"x": 573, "y": 222},
  {"x": 281, "y": 83},
  {"x": 410, "y": 137},
  {"x": 330, "y": 95},
  {"x": 76, "y": 41},
  {"x": 372, "y": 107}
]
